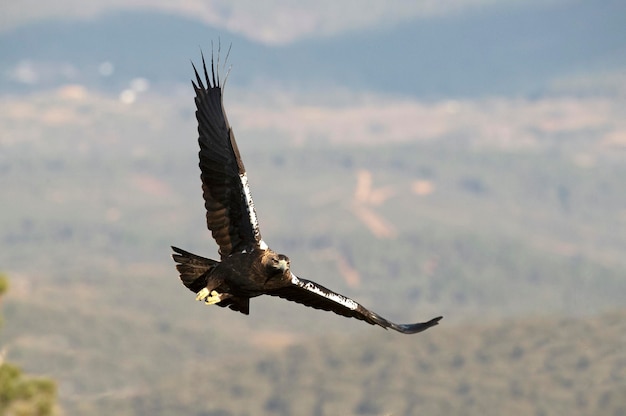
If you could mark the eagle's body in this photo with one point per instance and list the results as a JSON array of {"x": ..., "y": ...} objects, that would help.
[{"x": 247, "y": 267}]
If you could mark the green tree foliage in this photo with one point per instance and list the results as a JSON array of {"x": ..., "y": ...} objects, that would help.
[
  {"x": 21, "y": 395},
  {"x": 4, "y": 286}
]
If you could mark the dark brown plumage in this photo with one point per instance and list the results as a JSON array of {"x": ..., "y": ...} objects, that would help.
[{"x": 247, "y": 266}]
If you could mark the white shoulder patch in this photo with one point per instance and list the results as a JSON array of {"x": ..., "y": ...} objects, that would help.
[
  {"x": 335, "y": 297},
  {"x": 251, "y": 212}
]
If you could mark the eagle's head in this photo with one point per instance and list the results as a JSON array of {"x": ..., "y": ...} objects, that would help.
[
  {"x": 276, "y": 264},
  {"x": 281, "y": 263}
]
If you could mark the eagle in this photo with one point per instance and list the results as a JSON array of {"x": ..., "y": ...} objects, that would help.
[{"x": 247, "y": 267}]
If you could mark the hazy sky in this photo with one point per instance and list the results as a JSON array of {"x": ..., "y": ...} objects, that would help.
[{"x": 273, "y": 21}]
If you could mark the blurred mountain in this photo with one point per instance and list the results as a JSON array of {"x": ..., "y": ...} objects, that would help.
[{"x": 500, "y": 50}]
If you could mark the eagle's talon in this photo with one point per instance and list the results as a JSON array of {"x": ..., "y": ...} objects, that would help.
[
  {"x": 210, "y": 297},
  {"x": 203, "y": 294},
  {"x": 213, "y": 298}
]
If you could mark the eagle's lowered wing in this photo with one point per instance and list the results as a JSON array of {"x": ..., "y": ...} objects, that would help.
[
  {"x": 311, "y": 294},
  {"x": 230, "y": 210}
]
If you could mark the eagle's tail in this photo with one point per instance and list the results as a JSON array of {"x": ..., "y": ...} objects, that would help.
[{"x": 194, "y": 270}]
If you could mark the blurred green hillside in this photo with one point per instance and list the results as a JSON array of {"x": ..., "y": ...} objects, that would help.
[
  {"x": 522, "y": 367},
  {"x": 505, "y": 216},
  {"x": 21, "y": 394}
]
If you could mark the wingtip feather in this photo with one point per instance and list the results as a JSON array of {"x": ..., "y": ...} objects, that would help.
[
  {"x": 198, "y": 79},
  {"x": 416, "y": 328},
  {"x": 206, "y": 72}
]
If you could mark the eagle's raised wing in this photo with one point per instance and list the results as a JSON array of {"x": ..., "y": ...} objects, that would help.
[
  {"x": 316, "y": 296},
  {"x": 230, "y": 213}
]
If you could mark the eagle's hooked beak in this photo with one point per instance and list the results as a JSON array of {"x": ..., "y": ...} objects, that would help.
[{"x": 283, "y": 265}]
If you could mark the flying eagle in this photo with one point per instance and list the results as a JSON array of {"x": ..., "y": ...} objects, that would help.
[{"x": 247, "y": 266}]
